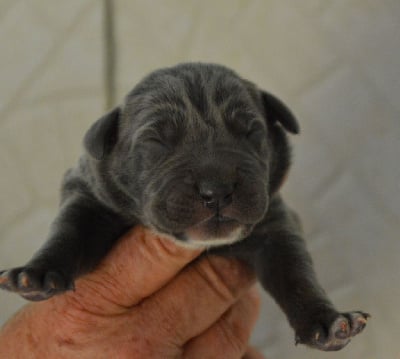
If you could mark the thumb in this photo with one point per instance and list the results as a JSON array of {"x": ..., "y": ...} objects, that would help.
[{"x": 140, "y": 263}]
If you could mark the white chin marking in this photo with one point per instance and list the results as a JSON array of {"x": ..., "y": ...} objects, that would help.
[{"x": 199, "y": 243}]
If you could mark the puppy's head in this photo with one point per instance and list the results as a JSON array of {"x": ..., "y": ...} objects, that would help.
[{"x": 198, "y": 150}]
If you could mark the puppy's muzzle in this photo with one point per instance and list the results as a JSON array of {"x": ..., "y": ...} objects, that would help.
[{"x": 216, "y": 195}]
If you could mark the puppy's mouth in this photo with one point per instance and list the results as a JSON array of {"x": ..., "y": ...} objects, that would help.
[
  {"x": 214, "y": 231},
  {"x": 219, "y": 224}
]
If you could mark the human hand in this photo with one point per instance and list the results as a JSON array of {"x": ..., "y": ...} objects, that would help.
[{"x": 143, "y": 301}]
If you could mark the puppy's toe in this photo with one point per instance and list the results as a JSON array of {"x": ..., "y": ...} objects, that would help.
[
  {"x": 357, "y": 321},
  {"x": 34, "y": 283},
  {"x": 334, "y": 334}
]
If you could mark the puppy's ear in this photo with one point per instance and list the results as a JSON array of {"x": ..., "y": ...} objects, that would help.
[
  {"x": 102, "y": 135},
  {"x": 277, "y": 111}
]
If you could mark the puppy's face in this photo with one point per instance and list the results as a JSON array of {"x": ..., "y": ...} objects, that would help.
[{"x": 194, "y": 151}]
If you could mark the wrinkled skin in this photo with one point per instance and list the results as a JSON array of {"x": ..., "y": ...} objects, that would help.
[
  {"x": 198, "y": 154},
  {"x": 195, "y": 311}
]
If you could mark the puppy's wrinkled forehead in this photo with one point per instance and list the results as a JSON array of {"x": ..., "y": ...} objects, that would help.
[{"x": 211, "y": 95}]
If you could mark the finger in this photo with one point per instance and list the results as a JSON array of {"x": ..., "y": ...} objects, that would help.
[
  {"x": 139, "y": 264},
  {"x": 194, "y": 300},
  {"x": 252, "y": 353},
  {"x": 229, "y": 336}
]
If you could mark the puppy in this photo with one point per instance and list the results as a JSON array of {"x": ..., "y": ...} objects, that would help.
[{"x": 198, "y": 154}]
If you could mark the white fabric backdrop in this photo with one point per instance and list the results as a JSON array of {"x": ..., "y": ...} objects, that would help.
[{"x": 336, "y": 63}]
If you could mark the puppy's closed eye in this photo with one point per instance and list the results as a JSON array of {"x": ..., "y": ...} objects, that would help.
[
  {"x": 197, "y": 153},
  {"x": 256, "y": 133},
  {"x": 156, "y": 141}
]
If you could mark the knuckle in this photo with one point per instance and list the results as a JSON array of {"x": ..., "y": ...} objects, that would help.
[
  {"x": 233, "y": 337},
  {"x": 215, "y": 281},
  {"x": 226, "y": 277},
  {"x": 235, "y": 325},
  {"x": 161, "y": 319},
  {"x": 98, "y": 293},
  {"x": 147, "y": 343}
]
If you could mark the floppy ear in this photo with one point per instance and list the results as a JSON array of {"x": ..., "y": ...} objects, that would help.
[
  {"x": 102, "y": 135},
  {"x": 277, "y": 111}
]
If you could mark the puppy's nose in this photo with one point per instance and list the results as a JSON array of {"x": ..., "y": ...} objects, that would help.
[{"x": 215, "y": 194}]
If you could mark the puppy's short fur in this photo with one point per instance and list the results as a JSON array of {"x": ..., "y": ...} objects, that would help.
[{"x": 197, "y": 153}]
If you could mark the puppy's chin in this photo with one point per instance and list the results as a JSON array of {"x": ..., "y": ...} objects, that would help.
[{"x": 211, "y": 233}]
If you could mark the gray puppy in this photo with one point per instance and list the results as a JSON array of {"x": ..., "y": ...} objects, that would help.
[{"x": 196, "y": 153}]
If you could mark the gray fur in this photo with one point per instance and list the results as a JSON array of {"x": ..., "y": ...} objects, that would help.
[{"x": 199, "y": 154}]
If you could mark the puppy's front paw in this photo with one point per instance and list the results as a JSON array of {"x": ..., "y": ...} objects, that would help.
[
  {"x": 335, "y": 333},
  {"x": 34, "y": 283}
]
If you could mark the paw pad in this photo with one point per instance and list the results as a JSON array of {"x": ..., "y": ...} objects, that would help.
[
  {"x": 34, "y": 283},
  {"x": 343, "y": 331},
  {"x": 23, "y": 280},
  {"x": 3, "y": 279},
  {"x": 336, "y": 334}
]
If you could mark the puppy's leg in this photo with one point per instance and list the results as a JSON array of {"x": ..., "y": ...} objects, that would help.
[
  {"x": 79, "y": 238},
  {"x": 280, "y": 259},
  {"x": 285, "y": 270}
]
